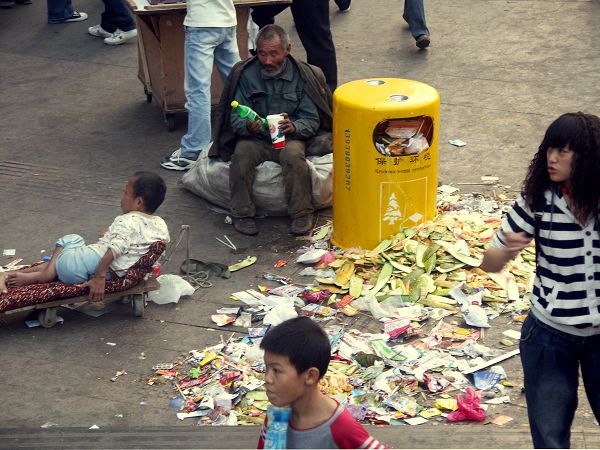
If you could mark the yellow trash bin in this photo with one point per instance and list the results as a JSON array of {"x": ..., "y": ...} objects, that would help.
[{"x": 385, "y": 141}]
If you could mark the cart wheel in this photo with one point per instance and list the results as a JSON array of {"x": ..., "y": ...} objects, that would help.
[
  {"x": 139, "y": 304},
  {"x": 148, "y": 95},
  {"x": 47, "y": 317},
  {"x": 170, "y": 121}
]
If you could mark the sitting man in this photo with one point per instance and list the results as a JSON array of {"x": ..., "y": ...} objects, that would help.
[{"x": 273, "y": 82}]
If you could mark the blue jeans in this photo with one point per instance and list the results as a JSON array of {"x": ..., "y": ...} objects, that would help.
[
  {"x": 551, "y": 361},
  {"x": 203, "y": 46},
  {"x": 116, "y": 15},
  {"x": 414, "y": 14},
  {"x": 59, "y": 10}
]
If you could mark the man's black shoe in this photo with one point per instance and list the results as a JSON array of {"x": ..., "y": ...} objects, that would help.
[
  {"x": 245, "y": 225},
  {"x": 302, "y": 225},
  {"x": 423, "y": 41},
  {"x": 343, "y": 5}
]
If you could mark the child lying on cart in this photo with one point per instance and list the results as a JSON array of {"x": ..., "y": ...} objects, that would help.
[{"x": 128, "y": 238}]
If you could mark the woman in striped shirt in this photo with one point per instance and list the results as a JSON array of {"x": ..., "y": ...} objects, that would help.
[{"x": 559, "y": 206}]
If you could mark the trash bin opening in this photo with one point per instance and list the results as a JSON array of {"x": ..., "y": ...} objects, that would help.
[
  {"x": 375, "y": 82},
  {"x": 398, "y": 97},
  {"x": 402, "y": 137}
]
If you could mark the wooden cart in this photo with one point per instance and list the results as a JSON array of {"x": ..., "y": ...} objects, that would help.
[
  {"x": 161, "y": 36},
  {"x": 137, "y": 295}
]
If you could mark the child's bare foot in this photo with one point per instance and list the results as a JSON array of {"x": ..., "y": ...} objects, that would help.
[{"x": 3, "y": 289}]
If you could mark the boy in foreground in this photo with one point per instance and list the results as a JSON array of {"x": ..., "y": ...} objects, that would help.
[{"x": 297, "y": 354}]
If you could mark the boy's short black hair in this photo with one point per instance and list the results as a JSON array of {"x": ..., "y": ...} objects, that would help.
[
  {"x": 302, "y": 341},
  {"x": 151, "y": 187}
]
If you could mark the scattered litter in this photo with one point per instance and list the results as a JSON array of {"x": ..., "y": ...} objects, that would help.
[
  {"x": 457, "y": 142},
  {"x": 118, "y": 374},
  {"x": 488, "y": 179},
  {"x": 501, "y": 420},
  {"x": 513, "y": 334},
  {"x": 112, "y": 344},
  {"x": 416, "y": 420},
  {"x": 491, "y": 362},
  {"x": 227, "y": 242},
  {"x": 469, "y": 408},
  {"x": 311, "y": 256},
  {"x": 172, "y": 288},
  {"x": 426, "y": 303},
  {"x": 280, "y": 263},
  {"x": 222, "y": 319},
  {"x": 49, "y": 425},
  {"x": 94, "y": 427},
  {"x": 498, "y": 400},
  {"x": 9, "y": 252},
  {"x": 485, "y": 380},
  {"x": 242, "y": 264}
]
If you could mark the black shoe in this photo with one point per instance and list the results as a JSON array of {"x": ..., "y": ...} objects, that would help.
[
  {"x": 302, "y": 225},
  {"x": 23, "y": 2},
  {"x": 343, "y": 5},
  {"x": 6, "y": 4},
  {"x": 423, "y": 41},
  {"x": 245, "y": 225}
]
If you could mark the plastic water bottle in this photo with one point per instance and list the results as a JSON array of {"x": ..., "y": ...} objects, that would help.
[
  {"x": 248, "y": 113},
  {"x": 277, "y": 427}
]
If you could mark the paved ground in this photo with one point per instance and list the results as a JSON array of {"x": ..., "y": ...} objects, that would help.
[{"x": 76, "y": 125}]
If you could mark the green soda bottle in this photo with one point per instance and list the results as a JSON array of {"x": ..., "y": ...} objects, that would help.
[{"x": 248, "y": 113}]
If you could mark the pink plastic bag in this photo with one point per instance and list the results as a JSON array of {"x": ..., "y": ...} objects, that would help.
[
  {"x": 325, "y": 260},
  {"x": 468, "y": 407}
]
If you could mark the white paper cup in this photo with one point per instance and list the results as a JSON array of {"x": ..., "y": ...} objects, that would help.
[{"x": 277, "y": 136}]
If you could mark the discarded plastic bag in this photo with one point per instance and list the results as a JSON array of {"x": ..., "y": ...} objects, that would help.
[
  {"x": 280, "y": 313},
  {"x": 469, "y": 408},
  {"x": 172, "y": 287},
  {"x": 475, "y": 316},
  {"x": 387, "y": 308}
]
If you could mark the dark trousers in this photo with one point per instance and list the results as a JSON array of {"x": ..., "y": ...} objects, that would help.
[
  {"x": 312, "y": 23},
  {"x": 59, "y": 10},
  {"x": 551, "y": 361},
  {"x": 116, "y": 15},
  {"x": 414, "y": 14},
  {"x": 248, "y": 154}
]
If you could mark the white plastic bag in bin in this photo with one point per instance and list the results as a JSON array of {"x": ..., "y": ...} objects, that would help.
[{"x": 172, "y": 287}]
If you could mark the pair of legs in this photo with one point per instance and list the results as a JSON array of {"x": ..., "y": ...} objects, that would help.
[
  {"x": 248, "y": 154},
  {"x": 204, "y": 46},
  {"x": 314, "y": 29},
  {"x": 72, "y": 263},
  {"x": 42, "y": 273},
  {"x": 116, "y": 15},
  {"x": 551, "y": 360}
]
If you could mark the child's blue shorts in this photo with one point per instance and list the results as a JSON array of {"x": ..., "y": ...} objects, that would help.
[{"x": 77, "y": 263}]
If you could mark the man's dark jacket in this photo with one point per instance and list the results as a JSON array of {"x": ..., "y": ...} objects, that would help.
[{"x": 315, "y": 87}]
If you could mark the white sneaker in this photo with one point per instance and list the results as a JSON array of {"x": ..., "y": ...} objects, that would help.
[
  {"x": 98, "y": 31},
  {"x": 120, "y": 37},
  {"x": 77, "y": 16},
  {"x": 175, "y": 161}
]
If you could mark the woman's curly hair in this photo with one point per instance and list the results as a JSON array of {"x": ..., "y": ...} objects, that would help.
[{"x": 581, "y": 132}]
